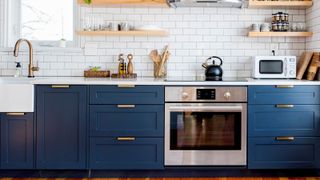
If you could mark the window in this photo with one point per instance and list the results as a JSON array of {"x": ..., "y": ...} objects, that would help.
[
  {"x": 44, "y": 22},
  {"x": 47, "y": 20}
]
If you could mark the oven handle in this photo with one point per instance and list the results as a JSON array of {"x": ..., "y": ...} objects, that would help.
[{"x": 207, "y": 108}]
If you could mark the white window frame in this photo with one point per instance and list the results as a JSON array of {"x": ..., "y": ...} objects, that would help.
[{"x": 12, "y": 26}]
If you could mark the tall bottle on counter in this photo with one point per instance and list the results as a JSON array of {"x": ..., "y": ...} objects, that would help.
[{"x": 122, "y": 69}]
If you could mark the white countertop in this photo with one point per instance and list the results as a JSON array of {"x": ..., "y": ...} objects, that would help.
[{"x": 153, "y": 81}]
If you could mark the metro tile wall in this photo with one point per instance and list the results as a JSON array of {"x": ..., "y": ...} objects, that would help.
[
  {"x": 313, "y": 21},
  {"x": 196, "y": 33}
]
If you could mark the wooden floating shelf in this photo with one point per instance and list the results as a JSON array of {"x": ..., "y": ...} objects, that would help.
[
  {"x": 280, "y": 34},
  {"x": 127, "y": 3},
  {"x": 123, "y": 33},
  {"x": 280, "y": 4}
]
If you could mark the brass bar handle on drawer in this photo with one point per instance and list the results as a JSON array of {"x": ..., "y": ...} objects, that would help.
[
  {"x": 285, "y": 138},
  {"x": 126, "y": 106},
  {"x": 126, "y": 86},
  {"x": 60, "y": 86},
  {"x": 15, "y": 114},
  {"x": 285, "y": 106},
  {"x": 126, "y": 138},
  {"x": 285, "y": 86}
]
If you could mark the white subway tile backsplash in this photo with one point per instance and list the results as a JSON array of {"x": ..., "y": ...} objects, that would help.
[{"x": 195, "y": 34}]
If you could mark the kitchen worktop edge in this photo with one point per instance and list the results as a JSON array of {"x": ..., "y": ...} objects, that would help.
[{"x": 153, "y": 81}]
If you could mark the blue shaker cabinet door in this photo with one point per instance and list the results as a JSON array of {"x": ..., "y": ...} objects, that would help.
[
  {"x": 274, "y": 153},
  {"x": 61, "y": 127},
  {"x": 284, "y": 95},
  {"x": 270, "y": 120},
  {"x": 17, "y": 141},
  {"x": 139, "y": 120},
  {"x": 126, "y": 153},
  {"x": 126, "y": 95}
]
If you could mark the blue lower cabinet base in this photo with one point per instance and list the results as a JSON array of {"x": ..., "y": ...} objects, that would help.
[
  {"x": 139, "y": 153},
  {"x": 269, "y": 153},
  {"x": 17, "y": 141}
]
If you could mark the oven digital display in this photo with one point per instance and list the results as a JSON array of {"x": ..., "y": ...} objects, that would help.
[{"x": 206, "y": 94}]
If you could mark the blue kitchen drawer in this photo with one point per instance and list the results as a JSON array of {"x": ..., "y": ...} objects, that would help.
[
  {"x": 139, "y": 120},
  {"x": 141, "y": 153},
  {"x": 126, "y": 95},
  {"x": 268, "y": 120},
  {"x": 284, "y": 95},
  {"x": 268, "y": 153}
]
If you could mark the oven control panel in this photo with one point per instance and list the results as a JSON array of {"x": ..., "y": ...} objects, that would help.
[{"x": 206, "y": 94}]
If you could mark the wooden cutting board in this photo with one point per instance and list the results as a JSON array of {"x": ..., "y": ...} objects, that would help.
[
  {"x": 313, "y": 68},
  {"x": 303, "y": 64}
]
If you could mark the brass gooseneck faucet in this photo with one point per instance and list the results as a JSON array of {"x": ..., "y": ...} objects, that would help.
[{"x": 31, "y": 68}]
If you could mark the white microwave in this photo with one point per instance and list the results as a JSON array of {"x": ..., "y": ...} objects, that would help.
[{"x": 274, "y": 67}]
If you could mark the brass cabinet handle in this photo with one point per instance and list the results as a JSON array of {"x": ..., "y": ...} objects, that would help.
[
  {"x": 126, "y": 138},
  {"x": 60, "y": 86},
  {"x": 126, "y": 86},
  {"x": 285, "y": 106},
  {"x": 285, "y": 138},
  {"x": 285, "y": 86},
  {"x": 126, "y": 106},
  {"x": 15, "y": 114}
]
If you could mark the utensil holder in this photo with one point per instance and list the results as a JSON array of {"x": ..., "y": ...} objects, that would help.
[{"x": 160, "y": 71}]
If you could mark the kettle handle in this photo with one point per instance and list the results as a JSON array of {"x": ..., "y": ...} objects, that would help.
[{"x": 215, "y": 57}]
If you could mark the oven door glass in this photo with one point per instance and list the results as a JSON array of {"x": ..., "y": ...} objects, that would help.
[
  {"x": 271, "y": 67},
  {"x": 196, "y": 130}
]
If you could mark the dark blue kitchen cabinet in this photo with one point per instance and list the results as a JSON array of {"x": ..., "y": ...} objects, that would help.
[
  {"x": 284, "y": 127},
  {"x": 137, "y": 120},
  {"x": 126, "y": 127},
  {"x": 279, "y": 153},
  {"x": 126, "y": 153},
  {"x": 126, "y": 94},
  {"x": 284, "y": 95},
  {"x": 270, "y": 120},
  {"x": 61, "y": 127},
  {"x": 17, "y": 141}
]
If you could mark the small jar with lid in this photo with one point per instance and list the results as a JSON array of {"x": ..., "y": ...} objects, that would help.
[
  {"x": 282, "y": 17},
  {"x": 286, "y": 26},
  {"x": 286, "y": 17},
  {"x": 274, "y": 26},
  {"x": 277, "y": 17}
]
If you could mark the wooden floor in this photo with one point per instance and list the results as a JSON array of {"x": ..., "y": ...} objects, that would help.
[{"x": 242, "y": 178}]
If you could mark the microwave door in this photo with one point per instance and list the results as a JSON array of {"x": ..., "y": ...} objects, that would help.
[{"x": 271, "y": 67}]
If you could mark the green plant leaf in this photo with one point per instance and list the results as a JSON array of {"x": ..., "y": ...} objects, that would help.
[{"x": 87, "y": 1}]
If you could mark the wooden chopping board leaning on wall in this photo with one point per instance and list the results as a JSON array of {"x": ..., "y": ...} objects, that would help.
[
  {"x": 314, "y": 66},
  {"x": 303, "y": 64}
]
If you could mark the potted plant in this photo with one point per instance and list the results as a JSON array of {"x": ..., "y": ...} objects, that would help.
[{"x": 87, "y": 1}]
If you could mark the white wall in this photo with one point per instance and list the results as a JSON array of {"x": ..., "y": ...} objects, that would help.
[
  {"x": 313, "y": 20},
  {"x": 195, "y": 34}
]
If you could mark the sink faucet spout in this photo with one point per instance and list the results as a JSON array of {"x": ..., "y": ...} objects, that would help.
[{"x": 31, "y": 68}]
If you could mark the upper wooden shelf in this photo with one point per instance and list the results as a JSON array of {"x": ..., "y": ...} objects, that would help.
[
  {"x": 281, "y": 4},
  {"x": 123, "y": 33},
  {"x": 127, "y": 3},
  {"x": 280, "y": 34}
]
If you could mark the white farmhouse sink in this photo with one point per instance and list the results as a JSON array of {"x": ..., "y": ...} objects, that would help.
[{"x": 16, "y": 94}]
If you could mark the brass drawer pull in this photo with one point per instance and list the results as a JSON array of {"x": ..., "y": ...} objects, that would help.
[
  {"x": 285, "y": 86},
  {"x": 285, "y": 138},
  {"x": 60, "y": 86},
  {"x": 284, "y": 106},
  {"x": 126, "y": 86},
  {"x": 15, "y": 114},
  {"x": 126, "y": 106},
  {"x": 126, "y": 138}
]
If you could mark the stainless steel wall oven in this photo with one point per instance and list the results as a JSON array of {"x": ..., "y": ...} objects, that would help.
[{"x": 205, "y": 126}]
